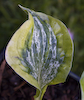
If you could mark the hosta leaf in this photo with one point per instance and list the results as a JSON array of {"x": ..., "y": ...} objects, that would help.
[
  {"x": 41, "y": 51},
  {"x": 82, "y": 86}
]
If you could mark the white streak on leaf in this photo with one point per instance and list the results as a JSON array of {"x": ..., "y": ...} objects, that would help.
[{"x": 42, "y": 58}]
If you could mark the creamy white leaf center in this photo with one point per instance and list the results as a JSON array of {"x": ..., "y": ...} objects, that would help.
[{"x": 42, "y": 59}]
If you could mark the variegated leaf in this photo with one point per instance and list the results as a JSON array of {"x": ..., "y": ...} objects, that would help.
[{"x": 41, "y": 51}]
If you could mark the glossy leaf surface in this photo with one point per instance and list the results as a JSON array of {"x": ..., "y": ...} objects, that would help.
[{"x": 41, "y": 51}]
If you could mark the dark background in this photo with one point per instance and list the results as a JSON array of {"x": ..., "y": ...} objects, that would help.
[{"x": 71, "y": 12}]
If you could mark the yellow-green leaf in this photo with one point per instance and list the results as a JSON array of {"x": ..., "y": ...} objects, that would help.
[
  {"x": 82, "y": 86},
  {"x": 41, "y": 51}
]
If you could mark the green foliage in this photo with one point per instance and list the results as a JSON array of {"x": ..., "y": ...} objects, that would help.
[
  {"x": 41, "y": 51},
  {"x": 71, "y": 12},
  {"x": 82, "y": 86}
]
